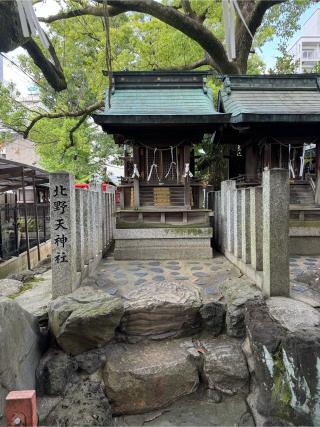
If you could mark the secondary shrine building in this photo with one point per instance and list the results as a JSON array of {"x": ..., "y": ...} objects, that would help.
[{"x": 158, "y": 118}]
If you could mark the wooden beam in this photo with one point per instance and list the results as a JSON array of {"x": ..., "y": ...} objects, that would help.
[{"x": 187, "y": 187}]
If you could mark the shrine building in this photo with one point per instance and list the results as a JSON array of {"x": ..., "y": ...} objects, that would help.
[{"x": 158, "y": 118}]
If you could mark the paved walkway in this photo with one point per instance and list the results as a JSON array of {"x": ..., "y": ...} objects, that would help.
[
  {"x": 305, "y": 279},
  {"x": 118, "y": 277}
]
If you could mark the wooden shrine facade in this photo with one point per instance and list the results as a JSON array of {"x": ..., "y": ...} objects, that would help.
[
  {"x": 275, "y": 122},
  {"x": 158, "y": 118}
]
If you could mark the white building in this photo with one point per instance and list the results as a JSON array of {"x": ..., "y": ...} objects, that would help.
[{"x": 306, "y": 50}]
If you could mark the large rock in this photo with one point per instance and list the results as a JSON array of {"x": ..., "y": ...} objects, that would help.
[
  {"x": 161, "y": 310},
  {"x": 237, "y": 292},
  {"x": 19, "y": 349},
  {"x": 285, "y": 341},
  {"x": 10, "y": 287},
  {"x": 225, "y": 367},
  {"x": 143, "y": 377},
  {"x": 85, "y": 319},
  {"x": 23, "y": 276},
  {"x": 213, "y": 316},
  {"x": 84, "y": 404},
  {"x": 55, "y": 370}
]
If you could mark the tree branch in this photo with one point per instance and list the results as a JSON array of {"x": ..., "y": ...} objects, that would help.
[
  {"x": 84, "y": 112},
  {"x": 253, "y": 13},
  {"x": 169, "y": 15},
  {"x": 52, "y": 72},
  {"x": 192, "y": 66}
]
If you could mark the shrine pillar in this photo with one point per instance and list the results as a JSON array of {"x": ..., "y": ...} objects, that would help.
[
  {"x": 136, "y": 172},
  {"x": 317, "y": 193},
  {"x": 63, "y": 233}
]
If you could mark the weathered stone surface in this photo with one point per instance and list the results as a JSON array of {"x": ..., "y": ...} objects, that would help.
[
  {"x": 196, "y": 409},
  {"x": 285, "y": 340},
  {"x": 161, "y": 310},
  {"x": 19, "y": 349},
  {"x": 213, "y": 316},
  {"x": 143, "y": 377},
  {"x": 311, "y": 278},
  {"x": 23, "y": 276},
  {"x": 9, "y": 287},
  {"x": 237, "y": 292},
  {"x": 54, "y": 372},
  {"x": 225, "y": 368},
  {"x": 91, "y": 361},
  {"x": 84, "y": 319},
  {"x": 84, "y": 404}
]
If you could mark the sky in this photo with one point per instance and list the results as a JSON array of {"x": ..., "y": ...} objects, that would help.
[
  {"x": 270, "y": 50},
  {"x": 49, "y": 7}
]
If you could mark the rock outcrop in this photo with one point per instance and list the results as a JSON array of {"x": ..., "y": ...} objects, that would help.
[
  {"x": 237, "y": 292},
  {"x": 225, "y": 367},
  {"x": 161, "y": 310},
  {"x": 213, "y": 316},
  {"x": 19, "y": 349},
  {"x": 9, "y": 287},
  {"x": 85, "y": 319},
  {"x": 54, "y": 372},
  {"x": 84, "y": 404},
  {"x": 284, "y": 336},
  {"x": 147, "y": 376}
]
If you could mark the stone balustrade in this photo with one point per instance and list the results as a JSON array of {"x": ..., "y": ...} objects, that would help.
[
  {"x": 82, "y": 229},
  {"x": 252, "y": 229}
]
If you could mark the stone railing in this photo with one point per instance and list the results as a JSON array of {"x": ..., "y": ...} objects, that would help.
[
  {"x": 252, "y": 229},
  {"x": 82, "y": 229}
]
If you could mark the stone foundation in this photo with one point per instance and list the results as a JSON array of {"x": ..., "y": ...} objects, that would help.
[{"x": 163, "y": 243}]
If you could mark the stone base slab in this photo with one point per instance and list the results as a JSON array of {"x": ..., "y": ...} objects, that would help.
[
  {"x": 163, "y": 253},
  {"x": 163, "y": 233},
  {"x": 163, "y": 243}
]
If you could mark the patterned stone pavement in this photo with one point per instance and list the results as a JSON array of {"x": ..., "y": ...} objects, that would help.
[
  {"x": 305, "y": 279},
  {"x": 118, "y": 277}
]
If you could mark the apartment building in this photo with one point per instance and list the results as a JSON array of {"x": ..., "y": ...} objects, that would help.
[{"x": 306, "y": 50}]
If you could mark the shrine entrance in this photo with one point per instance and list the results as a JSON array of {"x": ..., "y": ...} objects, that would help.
[{"x": 159, "y": 118}]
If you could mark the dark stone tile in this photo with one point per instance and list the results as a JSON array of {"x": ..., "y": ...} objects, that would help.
[
  {"x": 197, "y": 267},
  {"x": 158, "y": 278},
  {"x": 201, "y": 282},
  {"x": 112, "y": 291},
  {"x": 157, "y": 270},
  {"x": 201, "y": 274},
  {"x": 173, "y": 262},
  {"x": 174, "y": 267},
  {"x": 140, "y": 273},
  {"x": 211, "y": 290},
  {"x": 175, "y": 273},
  {"x": 154, "y": 263},
  {"x": 182, "y": 278},
  {"x": 139, "y": 282}
]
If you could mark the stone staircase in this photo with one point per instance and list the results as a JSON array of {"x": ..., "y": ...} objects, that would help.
[{"x": 301, "y": 193}]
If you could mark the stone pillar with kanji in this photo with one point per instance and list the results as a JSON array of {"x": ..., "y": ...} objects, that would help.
[{"x": 63, "y": 233}]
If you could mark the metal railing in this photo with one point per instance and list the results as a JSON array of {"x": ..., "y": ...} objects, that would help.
[{"x": 22, "y": 227}]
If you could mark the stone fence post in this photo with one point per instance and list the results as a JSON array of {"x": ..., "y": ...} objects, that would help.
[
  {"x": 275, "y": 196},
  {"x": 63, "y": 233},
  {"x": 252, "y": 230},
  {"x": 82, "y": 224}
]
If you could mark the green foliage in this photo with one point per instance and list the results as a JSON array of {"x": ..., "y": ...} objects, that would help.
[
  {"x": 285, "y": 64},
  {"x": 138, "y": 42}
]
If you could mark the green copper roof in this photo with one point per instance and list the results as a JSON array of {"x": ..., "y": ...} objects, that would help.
[
  {"x": 271, "y": 98},
  {"x": 161, "y": 101},
  {"x": 156, "y": 98}
]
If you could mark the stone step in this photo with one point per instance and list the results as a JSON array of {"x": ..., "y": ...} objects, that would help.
[
  {"x": 163, "y": 253},
  {"x": 143, "y": 377}
]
